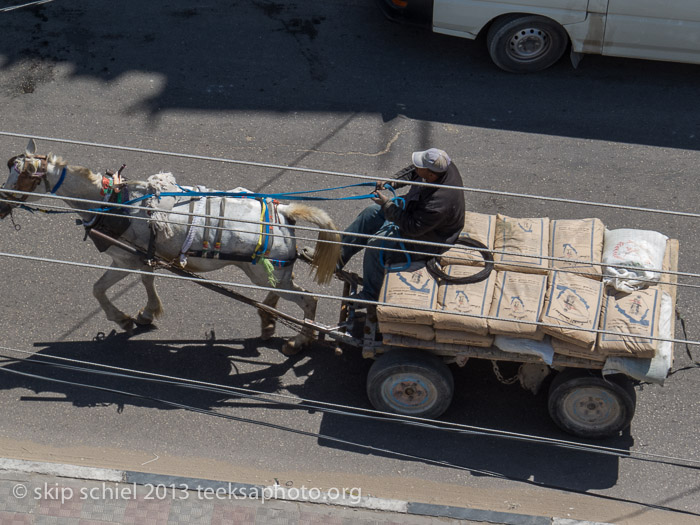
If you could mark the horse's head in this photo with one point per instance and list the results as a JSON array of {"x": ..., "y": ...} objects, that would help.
[{"x": 26, "y": 172}]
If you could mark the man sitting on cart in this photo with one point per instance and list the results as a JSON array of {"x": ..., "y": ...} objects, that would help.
[{"x": 426, "y": 213}]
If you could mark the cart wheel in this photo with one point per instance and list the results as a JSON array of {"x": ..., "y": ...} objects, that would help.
[
  {"x": 590, "y": 406},
  {"x": 410, "y": 382}
]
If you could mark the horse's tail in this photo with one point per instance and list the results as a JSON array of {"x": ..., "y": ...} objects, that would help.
[{"x": 327, "y": 253}]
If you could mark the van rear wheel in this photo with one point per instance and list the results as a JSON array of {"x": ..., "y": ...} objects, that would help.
[{"x": 525, "y": 44}]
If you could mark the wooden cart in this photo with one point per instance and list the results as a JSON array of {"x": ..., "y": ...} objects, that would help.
[{"x": 412, "y": 376}]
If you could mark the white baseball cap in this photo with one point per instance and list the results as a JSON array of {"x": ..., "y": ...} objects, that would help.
[{"x": 434, "y": 159}]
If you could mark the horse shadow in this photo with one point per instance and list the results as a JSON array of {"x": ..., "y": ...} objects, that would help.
[{"x": 99, "y": 372}]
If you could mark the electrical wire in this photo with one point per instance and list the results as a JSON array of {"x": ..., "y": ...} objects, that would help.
[
  {"x": 316, "y": 435},
  {"x": 333, "y": 297},
  {"x": 426, "y": 244},
  {"x": 343, "y": 174},
  {"x": 334, "y": 408},
  {"x": 12, "y": 8}
]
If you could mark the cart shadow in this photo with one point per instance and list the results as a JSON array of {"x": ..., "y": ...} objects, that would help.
[{"x": 481, "y": 402}]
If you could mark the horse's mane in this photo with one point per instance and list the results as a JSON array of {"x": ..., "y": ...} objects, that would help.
[
  {"x": 162, "y": 182},
  {"x": 161, "y": 206},
  {"x": 75, "y": 170}
]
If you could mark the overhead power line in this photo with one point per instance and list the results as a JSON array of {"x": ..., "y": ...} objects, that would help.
[
  {"x": 342, "y": 174},
  {"x": 101, "y": 208},
  {"x": 363, "y": 446}
]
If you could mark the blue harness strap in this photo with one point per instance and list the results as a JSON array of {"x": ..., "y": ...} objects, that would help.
[
  {"x": 264, "y": 245},
  {"x": 59, "y": 182}
]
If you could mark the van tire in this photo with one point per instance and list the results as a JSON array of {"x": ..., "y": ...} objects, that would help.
[{"x": 526, "y": 43}]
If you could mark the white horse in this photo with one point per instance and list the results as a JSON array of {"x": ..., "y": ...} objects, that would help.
[{"x": 200, "y": 233}]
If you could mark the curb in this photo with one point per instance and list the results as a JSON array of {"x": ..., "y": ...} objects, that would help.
[{"x": 277, "y": 492}]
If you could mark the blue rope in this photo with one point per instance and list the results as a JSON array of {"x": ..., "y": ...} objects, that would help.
[
  {"x": 402, "y": 202},
  {"x": 293, "y": 195},
  {"x": 403, "y": 248},
  {"x": 189, "y": 193}
]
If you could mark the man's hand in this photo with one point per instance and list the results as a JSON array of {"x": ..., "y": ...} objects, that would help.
[{"x": 380, "y": 198}]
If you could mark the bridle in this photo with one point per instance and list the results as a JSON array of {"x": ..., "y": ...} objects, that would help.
[{"x": 30, "y": 176}]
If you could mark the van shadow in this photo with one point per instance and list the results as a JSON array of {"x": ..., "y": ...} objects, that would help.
[{"x": 315, "y": 56}]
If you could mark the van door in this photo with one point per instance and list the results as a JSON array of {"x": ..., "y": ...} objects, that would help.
[
  {"x": 466, "y": 18},
  {"x": 654, "y": 30}
]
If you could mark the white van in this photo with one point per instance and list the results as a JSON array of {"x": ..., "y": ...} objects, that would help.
[{"x": 531, "y": 35}]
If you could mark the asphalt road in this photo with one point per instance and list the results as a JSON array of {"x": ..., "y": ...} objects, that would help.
[{"x": 329, "y": 85}]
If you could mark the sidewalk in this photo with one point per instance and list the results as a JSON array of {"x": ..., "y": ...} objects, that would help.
[{"x": 46, "y": 493}]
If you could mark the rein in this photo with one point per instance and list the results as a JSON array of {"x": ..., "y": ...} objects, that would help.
[
  {"x": 292, "y": 195},
  {"x": 112, "y": 184}
]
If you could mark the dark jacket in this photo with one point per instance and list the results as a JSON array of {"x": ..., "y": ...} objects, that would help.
[{"x": 432, "y": 214}]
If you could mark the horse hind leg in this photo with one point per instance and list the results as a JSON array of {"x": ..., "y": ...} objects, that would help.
[
  {"x": 308, "y": 305},
  {"x": 267, "y": 321},
  {"x": 285, "y": 282}
]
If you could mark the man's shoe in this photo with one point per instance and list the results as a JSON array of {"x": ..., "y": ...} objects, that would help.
[{"x": 360, "y": 296}]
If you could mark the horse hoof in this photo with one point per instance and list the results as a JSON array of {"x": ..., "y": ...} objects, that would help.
[
  {"x": 127, "y": 324},
  {"x": 267, "y": 332},
  {"x": 141, "y": 320},
  {"x": 291, "y": 348}
]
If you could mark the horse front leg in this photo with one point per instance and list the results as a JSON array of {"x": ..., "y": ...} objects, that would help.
[
  {"x": 153, "y": 308},
  {"x": 99, "y": 290}
]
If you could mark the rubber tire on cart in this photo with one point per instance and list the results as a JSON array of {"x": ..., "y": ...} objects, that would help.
[
  {"x": 583, "y": 403},
  {"x": 526, "y": 43},
  {"x": 410, "y": 382}
]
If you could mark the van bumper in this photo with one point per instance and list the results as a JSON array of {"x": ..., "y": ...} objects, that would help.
[{"x": 413, "y": 12}]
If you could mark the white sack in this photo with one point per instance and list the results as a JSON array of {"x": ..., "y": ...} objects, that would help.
[
  {"x": 642, "y": 249},
  {"x": 519, "y": 345}
]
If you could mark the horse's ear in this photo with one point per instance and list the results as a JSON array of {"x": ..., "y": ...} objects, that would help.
[{"x": 31, "y": 147}]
